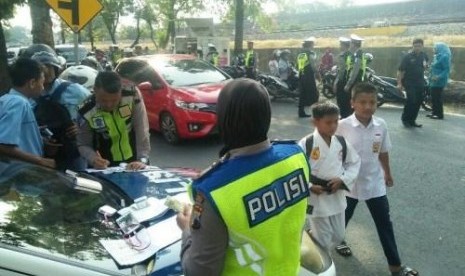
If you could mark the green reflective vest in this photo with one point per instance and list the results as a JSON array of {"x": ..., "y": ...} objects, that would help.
[
  {"x": 350, "y": 60},
  {"x": 249, "y": 58},
  {"x": 302, "y": 61},
  {"x": 262, "y": 199},
  {"x": 113, "y": 133}
]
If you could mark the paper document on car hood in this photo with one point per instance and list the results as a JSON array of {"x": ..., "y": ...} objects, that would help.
[{"x": 161, "y": 235}]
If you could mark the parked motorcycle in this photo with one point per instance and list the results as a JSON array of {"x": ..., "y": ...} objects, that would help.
[
  {"x": 277, "y": 88},
  {"x": 387, "y": 89},
  {"x": 327, "y": 78},
  {"x": 235, "y": 71},
  {"x": 426, "y": 104}
]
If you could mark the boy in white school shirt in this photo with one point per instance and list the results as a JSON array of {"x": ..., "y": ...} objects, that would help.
[
  {"x": 334, "y": 166},
  {"x": 369, "y": 136}
]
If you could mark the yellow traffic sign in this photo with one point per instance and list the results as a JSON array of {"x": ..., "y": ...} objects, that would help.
[{"x": 76, "y": 13}]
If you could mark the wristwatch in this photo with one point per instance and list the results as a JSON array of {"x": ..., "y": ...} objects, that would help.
[{"x": 144, "y": 160}]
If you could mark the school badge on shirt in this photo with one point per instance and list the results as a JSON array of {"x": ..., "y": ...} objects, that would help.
[
  {"x": 377, "y": 143},
  {"x": 315, "y": 153}
]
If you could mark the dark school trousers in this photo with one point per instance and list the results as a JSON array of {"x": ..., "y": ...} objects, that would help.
[
  {"x": 379, "y": 209},
  {"x": 413, "y": 103}
]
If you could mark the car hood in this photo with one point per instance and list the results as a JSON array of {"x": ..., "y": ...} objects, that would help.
[{"x": 207, "y": 93}]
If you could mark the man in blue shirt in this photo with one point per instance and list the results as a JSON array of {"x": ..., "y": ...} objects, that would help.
[
  {"x": 72, "y": 96},
  {"x": 20, "y": 136}
]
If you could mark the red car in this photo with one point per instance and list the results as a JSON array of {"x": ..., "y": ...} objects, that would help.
[{"x": 180, "y": 93}]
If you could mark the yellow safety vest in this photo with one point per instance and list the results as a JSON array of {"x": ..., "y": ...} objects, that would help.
[
  {"x": 350, "y": 65},
  {"x": 262, "y": 199},
  {"x": 249, "y": 58},
  {"x": 302, "y": 61},
  {"x": 112, "y": 129}
]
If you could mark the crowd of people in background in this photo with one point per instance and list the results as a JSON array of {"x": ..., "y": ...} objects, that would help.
[{"x": 344, "y": 160}]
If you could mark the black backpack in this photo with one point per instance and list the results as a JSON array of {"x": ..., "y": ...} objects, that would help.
[
  {"x": 49, "y": 112},
  {"x": 309, "y": 146}
]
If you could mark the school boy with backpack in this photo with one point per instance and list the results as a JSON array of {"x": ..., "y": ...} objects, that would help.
[
  {"x": 57, "y": 110},
  {"x": 334, "y": 165}
]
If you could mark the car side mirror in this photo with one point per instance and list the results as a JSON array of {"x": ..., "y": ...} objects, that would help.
[{"x": 148, "y": 86}]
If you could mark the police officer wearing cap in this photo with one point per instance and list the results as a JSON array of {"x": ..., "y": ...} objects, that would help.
[
  {"x": 113, "y": 126},
  {"x": 250, "y": 206},
  {"x": 251, "y": 60},
  {"x": 355, "y": 64},
  {"x": 343, "y": 97},
  {"x": 306, "y": 65}
]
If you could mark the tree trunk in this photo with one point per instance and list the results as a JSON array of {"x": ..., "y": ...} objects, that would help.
[
  {"x": 152, "y": 35},
  {"x": 239, "y": 33},
  {"x": 91, "y": 35},
  {"x": 136, "y": 41},
  {"x": 5, "y": 82},
  {"x": 41, "y": 23},
  {"x": 63, "y": 32}
]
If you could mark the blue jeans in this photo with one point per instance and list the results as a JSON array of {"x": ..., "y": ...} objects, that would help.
[{"x": 379, "y": 209}]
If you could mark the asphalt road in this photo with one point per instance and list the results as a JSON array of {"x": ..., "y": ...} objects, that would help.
[{"x": 427, "y": 200}]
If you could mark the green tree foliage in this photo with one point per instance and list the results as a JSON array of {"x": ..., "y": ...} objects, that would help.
[
  {"x": 168, "y": 11},
  {"x": 111, "y": 13},
  {"x": 6, "y": 12}
]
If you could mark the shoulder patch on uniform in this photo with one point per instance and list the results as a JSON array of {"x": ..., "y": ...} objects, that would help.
[
  {"x": 87, "y": 105},
  {"x": 274, "y": 198}
]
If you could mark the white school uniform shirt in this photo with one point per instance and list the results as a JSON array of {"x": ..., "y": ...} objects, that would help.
[
  {"x": 369, "y": 142},
  {"x": 326, "y": 163}
]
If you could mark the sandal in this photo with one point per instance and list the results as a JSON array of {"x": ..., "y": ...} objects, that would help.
[
  {"x": 405, "y": 271},
  {"x": 343, "y": 249}
]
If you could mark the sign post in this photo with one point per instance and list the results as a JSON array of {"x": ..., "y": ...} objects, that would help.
[{"x": 76, "y": 14}]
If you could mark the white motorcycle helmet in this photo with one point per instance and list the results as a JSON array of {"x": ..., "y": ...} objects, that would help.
[{"x": 82, "y": 74}]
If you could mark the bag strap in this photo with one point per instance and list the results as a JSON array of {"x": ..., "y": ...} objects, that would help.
[
  {"x": 344, "y": 147},
  {"x": 56, "y": 95},
  {"x": 309, "y": 146}
]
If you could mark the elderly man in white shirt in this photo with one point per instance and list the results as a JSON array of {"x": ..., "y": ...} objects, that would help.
[{"x": 334, "y": 167}]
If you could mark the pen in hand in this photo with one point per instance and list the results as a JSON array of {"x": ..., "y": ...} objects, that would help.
[{"x": 99, "y": 162}]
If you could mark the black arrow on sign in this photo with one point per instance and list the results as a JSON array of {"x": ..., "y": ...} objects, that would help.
[{"x": 73, "y": 5}]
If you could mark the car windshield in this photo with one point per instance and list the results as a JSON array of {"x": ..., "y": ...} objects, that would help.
[
  {"x": 187, "y": 72},
  {"x": 42, "y": 213}
]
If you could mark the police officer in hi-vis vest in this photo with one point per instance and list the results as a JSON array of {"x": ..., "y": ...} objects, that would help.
[
  {"x": 251, "y": 61},
  {"x": 343, "y": 97},
  {"x": 356, "y": 63},
  {"x": 113, "y": 125},
  {"x": 243, "y": 201},
  {"x": 306, "y": 65},
  {"x": 212, "y": 55}
]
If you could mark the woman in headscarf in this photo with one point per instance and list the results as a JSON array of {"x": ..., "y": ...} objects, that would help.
[
  {"x": 250, "y": 206},
  {"x": 440, "y": 70}
]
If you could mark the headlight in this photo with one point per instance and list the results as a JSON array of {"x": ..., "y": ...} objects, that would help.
[{"x": 190, "y": 106}]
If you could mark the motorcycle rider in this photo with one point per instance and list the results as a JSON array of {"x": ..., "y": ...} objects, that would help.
[
  {"x": 327, "y": 61},
  {"x": 343, "y": 97},
  {"x": 72, "y": 96},
  {"x": 284, "y": 65},
  {"x": 273, "y": 64},
  {"x": 251, "y": 61},
  {"x": 306, "y": 65}
]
